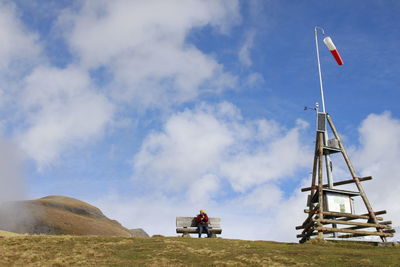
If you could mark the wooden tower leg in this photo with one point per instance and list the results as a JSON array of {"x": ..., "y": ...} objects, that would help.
[
  {"x": 356, "y": 179},
  {"x": 314, "y": 171},
  {"x": 309, "y": 223}
]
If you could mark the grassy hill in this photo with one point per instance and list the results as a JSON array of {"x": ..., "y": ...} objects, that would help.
[
  {"x": 7, "y": 234},
  {"x": 57, "y": 215},
  {"x": 40, "y": 250}
]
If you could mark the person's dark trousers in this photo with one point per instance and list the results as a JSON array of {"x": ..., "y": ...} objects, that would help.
[{"x": 203, "y": 229}]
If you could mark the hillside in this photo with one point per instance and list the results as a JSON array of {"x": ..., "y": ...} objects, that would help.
[
  {"x": 57, "y": 215},
  {"x": 7, "y": 234},
  {"x": 177, "y": 251}
]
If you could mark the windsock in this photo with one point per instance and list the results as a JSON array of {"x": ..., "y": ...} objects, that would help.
[{"x": 328, "y": 42}]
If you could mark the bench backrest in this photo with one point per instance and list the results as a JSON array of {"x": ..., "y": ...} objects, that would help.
[{"x": 191, "y": 222}]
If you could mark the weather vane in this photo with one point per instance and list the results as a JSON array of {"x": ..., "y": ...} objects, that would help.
[{"x": 328, "y": 205}]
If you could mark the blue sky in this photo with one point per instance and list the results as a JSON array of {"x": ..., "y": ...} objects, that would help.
[{"x": 159, "y": 108}]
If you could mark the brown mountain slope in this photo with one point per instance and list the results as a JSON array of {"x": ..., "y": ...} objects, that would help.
[
  {"x": 7, "y": 234},
  {"x": 57, "y": 215}
]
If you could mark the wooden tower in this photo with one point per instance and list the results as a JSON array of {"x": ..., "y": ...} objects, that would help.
[{"x": 330, "y": 210}]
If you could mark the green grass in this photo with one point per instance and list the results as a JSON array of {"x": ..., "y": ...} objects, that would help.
[{"x": 43, "y": 250}]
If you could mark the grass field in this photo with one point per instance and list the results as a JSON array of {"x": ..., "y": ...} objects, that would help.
[{"x": 41, "y": 250}]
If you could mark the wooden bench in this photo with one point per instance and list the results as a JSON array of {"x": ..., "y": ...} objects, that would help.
[{"x": 187, "y": 225}]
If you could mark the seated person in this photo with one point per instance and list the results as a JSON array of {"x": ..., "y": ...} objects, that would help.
[{"x": 202, "y": 223}]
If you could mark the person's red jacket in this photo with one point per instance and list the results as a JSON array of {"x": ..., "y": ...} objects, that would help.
[{"x": 202, "y": 219}]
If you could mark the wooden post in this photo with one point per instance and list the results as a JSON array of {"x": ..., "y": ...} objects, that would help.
[
  {"x": 338, "y": 183},
  {"x": 353, "y": 174},
  {"x": 314, "y": 171},
  {"x": 320, "y": 183}
]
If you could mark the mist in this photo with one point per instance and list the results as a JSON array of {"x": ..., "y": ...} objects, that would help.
[
  {"x": 15, "y": 216},
  {"x": 12, "y": 185}
]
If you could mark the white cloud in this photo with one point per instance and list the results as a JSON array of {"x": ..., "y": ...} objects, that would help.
[
  {"x": 262, "y": 198},
  {"x": 378, "y": 155},
  {"x": 103, "y": 31},
  {"x": 216, "y": 140},
  {"x": 19, "y": 51},
  {"x": 245, "y": 49},
  {"x": 59, "y": 109},
  {"x": 254, "y": 79},
  {"x": 144, "y": 46},
  {"x": 277, "y": 158},
  {"x": 17, "y": 45},
  {"x": 48, "y": 109},
  {"x": 190, "y": 146},
  {"x": 204, "y": 189}
]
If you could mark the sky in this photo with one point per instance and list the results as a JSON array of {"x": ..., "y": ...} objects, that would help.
[{"x": 151, "y": 110}]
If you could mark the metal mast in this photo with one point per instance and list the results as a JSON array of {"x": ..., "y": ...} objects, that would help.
[{"x": 328, "y": 163}]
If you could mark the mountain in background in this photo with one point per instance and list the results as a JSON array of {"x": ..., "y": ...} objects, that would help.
[{"x": 58, "y": 215}]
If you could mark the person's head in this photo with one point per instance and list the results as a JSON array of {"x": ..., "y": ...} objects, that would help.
[{"x": 202, "y": 211}]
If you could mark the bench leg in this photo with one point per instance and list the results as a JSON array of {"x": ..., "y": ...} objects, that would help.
[{"x": 185, "y": 235}]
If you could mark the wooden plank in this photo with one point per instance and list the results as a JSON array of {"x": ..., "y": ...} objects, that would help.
[
  {"x": 366, "y": 214},
  {"x": 361, "y": 179},
  {"x": 310, "y": 211},
  {"x": 299, "y": 227},
  {"x": 355, "y": 235},
  {"x": 309, "y": 229},
  {"x": 342, "y": 230},
  {"x": 185, "y": 222},
  {"x": 305, "y": 236},
  {"x": 389, "y": 231},
  {"x": 191, "y": 222},
  {"x": 361, "y": 227},
  {"x": 193, "y": 230},
  {"x": 305, "y": 226},
  {"x": 376, "y": 212},
  {"x": 325, "y": 221},
  {"x": 309, "y": 218},
  {"x": 347, "y": 216},
  {"x": 350, "y": 236}
]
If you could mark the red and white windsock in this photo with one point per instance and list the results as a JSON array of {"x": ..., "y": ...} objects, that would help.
[{"x": 328, "y": 42}]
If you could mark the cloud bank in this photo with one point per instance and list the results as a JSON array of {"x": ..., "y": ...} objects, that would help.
[
  {"x": 211, "y": 157},
  {"x": 124, "y": 56},
  {"x": 143, "y": 46}
]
